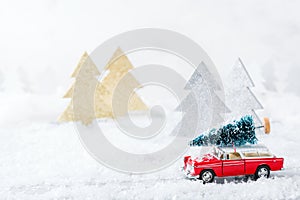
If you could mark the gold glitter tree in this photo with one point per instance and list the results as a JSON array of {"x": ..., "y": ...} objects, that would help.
[
  {"x": 85, "y": 75},
  {"x": 118, "y": 66}
]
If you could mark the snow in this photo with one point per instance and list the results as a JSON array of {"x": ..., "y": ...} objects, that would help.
[{"x": 41, "y": 160}]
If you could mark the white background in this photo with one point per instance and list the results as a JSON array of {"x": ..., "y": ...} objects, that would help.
[{"x": 40, "y": 44}]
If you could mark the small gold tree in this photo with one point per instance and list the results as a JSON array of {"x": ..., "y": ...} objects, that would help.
[
  {"x": 85, "y": 76},
  {"x": 118, "y": 66}
]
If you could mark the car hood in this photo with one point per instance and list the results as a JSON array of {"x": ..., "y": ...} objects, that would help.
[{"x": 205, "y": 158}]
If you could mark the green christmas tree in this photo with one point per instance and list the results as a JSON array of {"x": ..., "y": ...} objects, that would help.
[{"x": 237, "y": 133}]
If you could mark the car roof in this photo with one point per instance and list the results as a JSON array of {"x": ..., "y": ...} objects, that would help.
[{"x": 245, "y": 148}]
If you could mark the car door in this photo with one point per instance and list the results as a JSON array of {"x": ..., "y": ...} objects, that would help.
[{"x": 233, "y": 164}]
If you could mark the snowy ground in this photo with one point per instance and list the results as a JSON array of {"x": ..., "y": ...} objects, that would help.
[{"x": 47, "y": 161}]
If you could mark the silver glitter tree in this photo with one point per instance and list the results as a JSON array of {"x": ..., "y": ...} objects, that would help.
[
  {"x": 202, "y": 108},
  {"x": 239, "y": 97}
]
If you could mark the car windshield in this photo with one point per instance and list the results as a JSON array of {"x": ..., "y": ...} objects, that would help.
[
  {"x": 200, "y": 152},
  {"x": 216, "y": 152}
]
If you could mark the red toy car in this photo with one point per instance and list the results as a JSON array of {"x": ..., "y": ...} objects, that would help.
[{"x": 229, "y": 161}]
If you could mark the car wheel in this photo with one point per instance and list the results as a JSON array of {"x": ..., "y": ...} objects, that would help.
[
  {"x": 207, "y": 176},
  {"x": 262, "y": 172}
]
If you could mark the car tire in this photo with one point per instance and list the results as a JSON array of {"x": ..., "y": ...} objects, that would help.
[
  {"x": 207, "y": 176},
  {"x": 262, "y": 172}
]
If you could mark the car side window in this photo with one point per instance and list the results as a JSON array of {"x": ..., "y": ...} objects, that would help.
[
  {"x": 251, "y": 154},
  {"x": 231, "y": 156},
  {"x": 224, "y": 156},
  {"x": 234, "y": 156}
]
